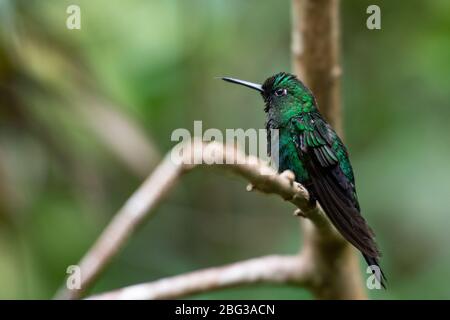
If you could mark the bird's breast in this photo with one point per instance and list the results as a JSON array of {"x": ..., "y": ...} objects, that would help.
[{"x": 289, "y": 158}]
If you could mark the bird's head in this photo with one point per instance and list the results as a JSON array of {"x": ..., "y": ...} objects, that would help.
[{"x": 284, "y": 95}]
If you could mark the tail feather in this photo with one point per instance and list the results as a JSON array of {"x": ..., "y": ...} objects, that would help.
[
  {"x": 343, "y": 214},
  {"x": 374, "y": 264},
  {"x": 347, "y": 219}
]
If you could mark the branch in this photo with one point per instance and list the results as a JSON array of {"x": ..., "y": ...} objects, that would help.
[
  {"x": 141, "y": 204},
  {"x": 118, "y": 132},
  {"x": 269, "y": 269},
  {"x": 316, "y": 59},
  {"x": 316, "y": 53}
]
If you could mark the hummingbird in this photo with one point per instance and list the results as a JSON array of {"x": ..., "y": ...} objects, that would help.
[{"x": 312, "y": 150}]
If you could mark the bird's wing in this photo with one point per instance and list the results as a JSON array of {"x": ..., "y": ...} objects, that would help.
[{"x": 332, "y": 181}]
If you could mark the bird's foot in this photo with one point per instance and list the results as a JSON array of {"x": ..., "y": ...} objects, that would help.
[
  {"x": 299, "y": 213},
  {"x": 288, "y": 174}
]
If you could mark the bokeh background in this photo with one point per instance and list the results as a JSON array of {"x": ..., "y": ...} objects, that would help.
[{"x": 85, "y": 115}]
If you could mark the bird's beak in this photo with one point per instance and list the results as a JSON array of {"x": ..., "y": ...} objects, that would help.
[{"x": 251, "y": 85}]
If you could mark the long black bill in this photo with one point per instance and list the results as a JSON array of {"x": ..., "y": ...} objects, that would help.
[{"x": 244, "y": 83}]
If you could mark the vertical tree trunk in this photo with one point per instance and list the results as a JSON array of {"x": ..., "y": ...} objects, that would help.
[{"x": 316, "y": 51}]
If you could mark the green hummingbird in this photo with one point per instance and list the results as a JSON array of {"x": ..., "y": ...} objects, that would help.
[{"x": 312, "y": 150}]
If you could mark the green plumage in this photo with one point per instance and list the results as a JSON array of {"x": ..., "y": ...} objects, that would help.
[{"x": 309, "y": 147}]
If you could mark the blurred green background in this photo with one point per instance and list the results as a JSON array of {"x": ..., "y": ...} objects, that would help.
[{"x": 86, "y": 114}]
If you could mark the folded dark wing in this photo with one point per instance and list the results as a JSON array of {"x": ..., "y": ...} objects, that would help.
[{"x": 332, "y": 183}]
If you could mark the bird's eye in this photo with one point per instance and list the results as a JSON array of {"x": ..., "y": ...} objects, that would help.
[{"x": 280, "y": 92}]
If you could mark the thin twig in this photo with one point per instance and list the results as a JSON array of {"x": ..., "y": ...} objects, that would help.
[{"x": 269, "y": 269}]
